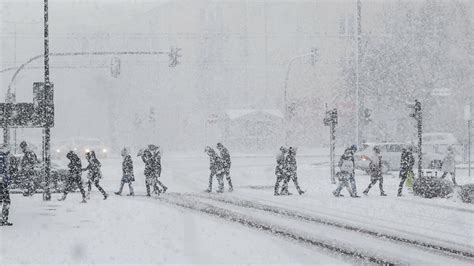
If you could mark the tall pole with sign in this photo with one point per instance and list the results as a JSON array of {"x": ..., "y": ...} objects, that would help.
[
  {"x": 417, "y": 114},
  {"x": 467, "y": 116},
  {"x": 331, "y": 121},
  {"x": 47, "y": 86}
]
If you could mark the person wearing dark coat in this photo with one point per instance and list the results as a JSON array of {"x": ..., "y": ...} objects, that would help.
[
  {"x": 225, "y": 159},
  {"x": 280, "y": 171},
  {"x": 406, "y": 167},
  {"x": 149, "y": 172},
  {"x": 156, "y": 158},
  {"x": 75, "y": 176},
  {"x": 94, "y": 174},
  {"x": 127, "y": 172},
  {"x": 215, "y": 169},
  {"x": 352, "y": 181},
  {"x": 27, "y": 165},
  {"x": 4, "y": 192},
  {"x": 346, "y": 166},
  {"x": 291, "y": 172},
  {"x": 375, "y": 169}
]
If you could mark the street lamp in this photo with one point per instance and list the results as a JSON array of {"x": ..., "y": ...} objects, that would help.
[{"x": 313, "y": 54}]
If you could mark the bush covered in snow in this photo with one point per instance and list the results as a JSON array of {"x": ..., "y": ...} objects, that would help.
[
  {"x": 467, "y": 193},
  {"x": 428, "y": 187}
]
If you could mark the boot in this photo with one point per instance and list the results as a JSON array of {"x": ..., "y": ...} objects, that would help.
[
  {"x": 366, "y": 192},
  {"x": 301, "y": 192},
  {"x": 231, "y": 189},
  {"x": 164, "y": 189},
  {"x": 106, "y": 196},
  {"x": 83, "y": 200},
  {"x": 5, "y": 223},
  {"x": 276, "y": 193},
  {"x": 118, "y": 193},
  {"x": 335, "y": 194},
  {"x": 131, "y": 194},
  {"x": 383, "y": 194}
]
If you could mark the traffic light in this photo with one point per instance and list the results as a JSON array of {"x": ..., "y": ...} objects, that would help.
[
  {"x": 115, "y": 67},
  {"x": 367, "y": 114},
  {"x": 173, "y": 56},
  {"x": 416, "y": 110},
  {"x": 331, "y": 117}
]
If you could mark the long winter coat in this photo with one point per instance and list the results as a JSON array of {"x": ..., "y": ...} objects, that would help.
[
  {"x": 375, "y": 166},
  {"x": 225, "y": 157},
  {"x": 127, "y": 169},
  {"x": 94, "y": 169}
]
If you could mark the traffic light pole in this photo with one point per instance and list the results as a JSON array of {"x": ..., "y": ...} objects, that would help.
[
  {"x": 46, "y": 131},
  {"x": 331, "y": 121}
]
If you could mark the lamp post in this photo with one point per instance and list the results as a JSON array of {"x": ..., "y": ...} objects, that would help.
[{"x": 47, "y": 88}]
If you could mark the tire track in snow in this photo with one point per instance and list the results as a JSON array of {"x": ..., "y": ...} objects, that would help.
[
  {"x": 177, "y": 199},
  {"x": 300, "y": 216}
]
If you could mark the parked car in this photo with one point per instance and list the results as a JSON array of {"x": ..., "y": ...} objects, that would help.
[{"x": 391, "y": 154}]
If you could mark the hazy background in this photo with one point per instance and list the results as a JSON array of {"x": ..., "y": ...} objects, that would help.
[{"x": 229, "y": 83}]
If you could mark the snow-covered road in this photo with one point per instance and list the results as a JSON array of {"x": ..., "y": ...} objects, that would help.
[{"x": 313, "y": 228}]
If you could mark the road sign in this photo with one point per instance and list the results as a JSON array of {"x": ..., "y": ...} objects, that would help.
[{"x": 38, "y": 114}]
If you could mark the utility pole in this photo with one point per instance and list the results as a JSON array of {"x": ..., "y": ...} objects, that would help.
[
  {"x": 467, "y": 116},
  {"x": 417, "y": 114},
  {"x": 331, "y": 121},
  {"x": 47, "y": 88},
  {"x": 359, "y": 31}
]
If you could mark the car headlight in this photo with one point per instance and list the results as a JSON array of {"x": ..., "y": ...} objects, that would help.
[
  {"x": 87, "y": 150},
  {"x": 58, "y": 150},
  {"x": 104, "y": 150}
]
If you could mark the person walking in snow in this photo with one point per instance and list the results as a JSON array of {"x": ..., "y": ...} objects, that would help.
[
  {"x": 150, "y": 181},
  {"x": 291, "y": 172},
  {"x": 225, "y": 159},
  {"x": 375, "y": 169},
  {"x": 406, "y": 167},
  {"x": 27, "y": 165},
  {"x": 215, "y": 169},
  {"x": 127, "y": 172},
  {"x": 94, "y": 174},
  {"x": 346, "y": 166},
  {"x": 4, "y": 192},
  {"x": 449, "y": 165},
  {"x": 156, "y": 159},
  {"x": 74, "y": 177},
  {"x": 352, "y": 181},
  {"x": 280, "y": 171}
]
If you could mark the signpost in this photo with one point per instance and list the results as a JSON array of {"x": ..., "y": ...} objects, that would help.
[
  {"x": 467, "y": 116},
  {"x": 331, "y": 120}
]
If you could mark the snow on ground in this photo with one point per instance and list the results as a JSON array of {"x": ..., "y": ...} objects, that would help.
[{"x": 143, "y": 230}]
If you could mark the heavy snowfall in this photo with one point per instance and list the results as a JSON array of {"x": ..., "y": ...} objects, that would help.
[{"x": 237, "y": 132}]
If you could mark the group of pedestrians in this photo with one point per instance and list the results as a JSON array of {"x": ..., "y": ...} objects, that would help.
[
  {"x": 219, "y": 166},
  {"x": 346, "y": 175},
  {"x": 151, "y": 157},
  {"x": 285, "y": 171}
]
